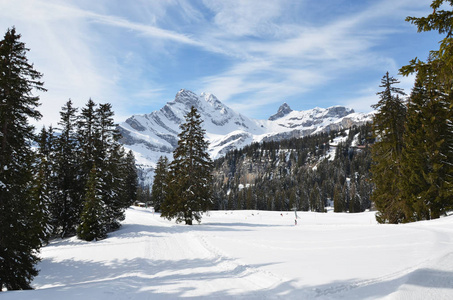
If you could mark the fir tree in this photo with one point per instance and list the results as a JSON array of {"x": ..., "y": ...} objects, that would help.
[
  {"x": 44, "y": 188},
  {"x": 130, "y": 181},
  {"x": 189, "y": 191},
  {"x": 441, "y": 60},
  {"x": 432, "y": 107},
  {"x": 92, "y": 226},
  {"x": 66, "y": 203},
  {"x": 87, "y": 135},
  {"x": 160, "y": 182},
  {"x": 427, "y": 154},
  {"x": 388, "y": 125},
  {"x": 338, "y": 199},
  {"x": 109, "y": 157},
  {"x": 21, "y": 231}
]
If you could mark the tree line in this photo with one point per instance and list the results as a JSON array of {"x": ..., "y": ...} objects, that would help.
[
  {"x": 87, "y": 179},
  {"x": 298, "y": 173},
  {"x": 74, "y": 180},
  {"x": 288, "y": 174}
]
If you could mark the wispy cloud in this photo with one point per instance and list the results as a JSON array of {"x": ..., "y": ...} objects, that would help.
[{"x": 134, "y": 54}]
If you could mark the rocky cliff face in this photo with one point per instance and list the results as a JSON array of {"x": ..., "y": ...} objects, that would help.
[{"x": 153, "y": 135}]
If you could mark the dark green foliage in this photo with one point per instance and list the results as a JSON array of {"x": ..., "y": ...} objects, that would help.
[
  {"x": 21, "y": 215},
  {"x": 66, "y": 204},
  {"x": 160, "y": 182},
  {"x": 388, "y": 126},
  {"x": 189, "y": 187},
  {"x": 90, "y": 138},
  {"x": 422, "y": 157},
  {"x": 130, "y": 181},
  {"x": 278, "y": 175},
  {"x": 144, "y": 194},
  {"x": 428, "y": 155},
  {"x": 111, "y": 161},
  {"x": 93, "y": 225},
  {"x": 442, "y": 59},
  {"x": 43, "y": 188}
]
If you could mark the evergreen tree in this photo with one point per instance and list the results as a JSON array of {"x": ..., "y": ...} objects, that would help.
[
  {"x": 92, "y": 226},
  {"x": 130, "y": 181},
  {"x": 432, "y": 107},
  {"x": 426, "y": 157},
  {"x": 87, "y": 135},
  {"x": 189, "y": 189},
  {"x": 388, "y": 125},
  {"x": 21, "y": 231},
  {"x": 338, "y": 199},
  {"x": 110, "y": 160},
  {"x": 66, "y": 203},
  {"x": 44, "y": 189},
  {"x": 441, "y": 60},
  {"x": 160, "y": 182}
]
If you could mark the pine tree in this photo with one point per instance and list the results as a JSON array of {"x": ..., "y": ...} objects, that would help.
[
  {"x": 432, "y": 108},
  {"x": 338, "y": 199},
  {"x": 66, "y": 203},
  {"x": 388, "y": 125},
  {"x": 44, "y": 189},
  {"x": 189, "y": 189},
  {"x": 428, "y": 152},
  {"x": 130, "y": 181},
  {"x": 87, "y": 135},
  {"x": 160, "y": 182},
  {"x": 442, "y": 59},
  {"x": 20, "y": 226},
  {"x": 110, "y": 160},
  {"x": 92, "y": 226}
]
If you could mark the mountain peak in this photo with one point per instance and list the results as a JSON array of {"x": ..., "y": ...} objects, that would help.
[
  {"x": 187, "y": 97},
  {"x": 283, "y": 110}
]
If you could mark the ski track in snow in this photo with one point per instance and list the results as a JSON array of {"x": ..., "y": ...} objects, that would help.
[{"x": 252, "y": 255}]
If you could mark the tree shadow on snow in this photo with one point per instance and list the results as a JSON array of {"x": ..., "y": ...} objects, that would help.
[
  {"x": 142, "y": 278},
  {"x": 439, "y": 282},
  {"x": 233, "y": 226}
]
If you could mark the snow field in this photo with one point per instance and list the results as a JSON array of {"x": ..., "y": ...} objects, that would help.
[{"x": 252, "y": 255}]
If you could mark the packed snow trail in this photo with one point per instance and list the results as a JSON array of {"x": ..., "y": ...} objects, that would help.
[{"x": 252, "y": 255}]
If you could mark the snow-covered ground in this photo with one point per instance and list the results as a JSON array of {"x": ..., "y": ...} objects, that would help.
[{"x": 252, "y": 255}]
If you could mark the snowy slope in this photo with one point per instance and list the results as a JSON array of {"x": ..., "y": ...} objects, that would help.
[
  {"x": 153, "y": 135},
  {"x": 252, "y": 255}
]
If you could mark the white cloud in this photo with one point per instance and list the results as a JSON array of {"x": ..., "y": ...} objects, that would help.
[
  {"x": 112, "y": 50},
  {"x": 245, "y": 17}
]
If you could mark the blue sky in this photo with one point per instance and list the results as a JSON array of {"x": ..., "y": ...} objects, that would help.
[{"x": 253, "y": 55}]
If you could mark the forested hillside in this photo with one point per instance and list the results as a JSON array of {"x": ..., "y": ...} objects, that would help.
[{"x": 307, "y": 173}]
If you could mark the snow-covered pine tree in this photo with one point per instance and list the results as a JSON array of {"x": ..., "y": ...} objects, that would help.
[
  {"x": 189, "y": 189},
  {"x": 118, "y": 176},
  {"x": 44, "y": 188},
  {"x": 160, "y": 182},
  {"x": 66, "y": 203},
  {"x": 108, "y": 157},
  {"x": 21, "y": 230},
  {"x": 87, "y": 134}
]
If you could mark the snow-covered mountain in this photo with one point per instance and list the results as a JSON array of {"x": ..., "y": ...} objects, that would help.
[{"x": 153, "y": 135}]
